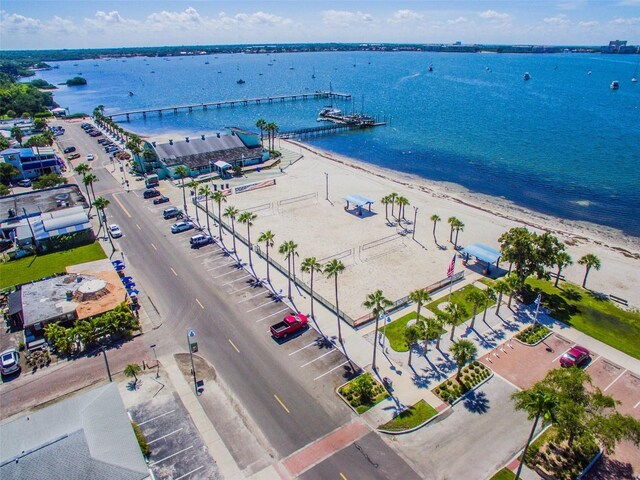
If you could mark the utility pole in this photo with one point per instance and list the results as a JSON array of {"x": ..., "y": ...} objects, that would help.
[
  {"x": 193, "y": 348},
  {"x": 106, "y": 362},
  {"x": 326, "y": 185},
  {"x": 415, "y": 217}
]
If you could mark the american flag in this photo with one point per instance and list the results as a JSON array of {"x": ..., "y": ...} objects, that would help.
[{"x": 452, "y": 267}]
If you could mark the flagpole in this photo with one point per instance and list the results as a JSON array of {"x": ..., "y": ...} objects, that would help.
[{"x": 538, "y": 302}]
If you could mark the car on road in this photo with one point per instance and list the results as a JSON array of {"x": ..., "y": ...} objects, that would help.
[
  {"x": 151, "y": 193},
  {"x": 159, "y": 200},
  {"x": 289, "y": 325},
  {"x": 73, "y": 156},
  {"x": 172, "y": 212},
  {"x": 90, "y": 157},
  {"x": 9, "y": 361},
  {"x": 25, "y": 182},
  {"x": 69, "y": 149},
  {"x": 182, "y": 226},
  {"x": 115, "y": 231},
  {"x": 200, "y": 240},
  {"x": 574, "y": 357}
]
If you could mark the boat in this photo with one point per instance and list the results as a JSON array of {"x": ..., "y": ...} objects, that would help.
[
  {"x": 206, "y": 63},
  {"x": 431, "y": 67},
  {"x": 131, "y": 94},
  {"x": 313, "y": 75},
  {"x": 329, "y": 113},
  {"x": 526, "y": 76},
  {"x": 615, "y": 85},
  {"x": 240, "y": 82},
  {"x": 634, "y": 79},
  {"x": 589, "y": 72}
]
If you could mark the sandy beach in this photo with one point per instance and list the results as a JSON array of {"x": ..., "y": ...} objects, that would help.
[{"x": 379, "y": 255}]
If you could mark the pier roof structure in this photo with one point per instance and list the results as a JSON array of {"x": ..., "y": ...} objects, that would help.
[{"x": 482, "y": 252}]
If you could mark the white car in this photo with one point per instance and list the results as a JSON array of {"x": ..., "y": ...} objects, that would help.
[
  {"x": 115, "y": 231},
  {"x": 9, "y": 361},
  {"x": 90, "y": 157}
]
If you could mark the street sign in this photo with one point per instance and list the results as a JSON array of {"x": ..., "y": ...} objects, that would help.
[
  {"x": 191, "y": 333},
  {"x": 194, "y": 347},
  {"x": 388, "y": 319},
  {"x": 152, "y": 346}
]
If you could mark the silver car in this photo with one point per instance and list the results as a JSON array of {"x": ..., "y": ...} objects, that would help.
[
  {"x": 182, "y": 226},
  {"x": 9, "y": 361}
]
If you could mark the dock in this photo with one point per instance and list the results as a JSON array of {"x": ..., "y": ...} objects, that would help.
[
  {"x": 319, "y": 94},
  {"x": 328, "y": 129}
]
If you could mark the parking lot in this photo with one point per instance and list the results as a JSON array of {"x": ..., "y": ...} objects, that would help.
[{"x": 177, "y": 451}]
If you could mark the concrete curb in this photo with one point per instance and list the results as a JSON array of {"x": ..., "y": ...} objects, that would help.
[{"x": 515, "y": 337}]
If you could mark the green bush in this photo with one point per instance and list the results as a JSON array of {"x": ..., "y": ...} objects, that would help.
[{"x": 144, "y": 446}]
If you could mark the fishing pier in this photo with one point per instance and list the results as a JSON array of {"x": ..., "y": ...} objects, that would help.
[
  {"x": 329, "y": 129},
  {"x": 319, "y": 94}
]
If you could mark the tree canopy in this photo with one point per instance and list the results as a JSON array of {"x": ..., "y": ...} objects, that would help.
[{"x": 22, "y": 98}]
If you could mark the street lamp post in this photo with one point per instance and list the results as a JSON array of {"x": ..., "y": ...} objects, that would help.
[
  {"x": 326, "y": 185},
  {"x": 384, "y": 330},
  {"x": 415, "y": 218},
  {"x": 106, "y": 362},
  {"x": 193, "y": 346},
  {"x": 153, "y": 347}
]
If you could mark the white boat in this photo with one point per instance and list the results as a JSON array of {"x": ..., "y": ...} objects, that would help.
[
  {"x": 634, "y": 79},
  {"x": 615, "y": 85},
  {"x": 526, "y": 76}
]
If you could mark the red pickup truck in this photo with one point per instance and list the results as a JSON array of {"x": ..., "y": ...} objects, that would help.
[{"x": 289, "y": 325}]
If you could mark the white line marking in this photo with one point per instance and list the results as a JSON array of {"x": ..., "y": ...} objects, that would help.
[
  {"x": 189, "y": 473},
  {"x": 154, "y": 418},
  {"x": 615, "y": 380},
  {"x": 329, "y": 371},
  {"x": 203, "y": 254},
  {"x": 268, "y": 316},
  {"x": 219, "y": 266},
  {"x": 253, "y": 296},
  {"x": 236, "y": 280},
  {"x": 260, "y": 306},
  {"x": 164, "y": 436},
  {"x": 317, "y": 358},
  {"x": 253, "y": 285},
  {"x": 228, "y": 273},
  {"x": 306, "y": 346},
  {"x": 172, "y": 455},
  {"x": 636, "y": 405}
]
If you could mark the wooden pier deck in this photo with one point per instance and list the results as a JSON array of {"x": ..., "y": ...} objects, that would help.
[
  {"x": 328, "y": 129},
  {"x": 232, "y": 103}
]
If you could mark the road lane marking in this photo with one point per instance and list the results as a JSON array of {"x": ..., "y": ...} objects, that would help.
[
  {"x": 170, "y": 456},
  {"x": 281, "y": 404},
  {"x": 329, "y": 371},
  {"x": 306, "y": 346},
  {"x": 343, "y": 477},
  {"x": 126, "y": 212},
  {"x": 260, "y": 306},
  {"x": 138, "y": 226},
  {"x": 164, "y": 436},
  {"x": 317, "y": 358},
  {"x": 273, "y": 314},
  {"x": 615, "y": 380},
  {"x": 155, "y": 418},
  {"x": 201, "y": 305},
  {"x": 154, "y": 247},
  {"x": 234, "y": 346},
  {"x": 174, "y": 272},
  {"x": 189, "y": 473}
]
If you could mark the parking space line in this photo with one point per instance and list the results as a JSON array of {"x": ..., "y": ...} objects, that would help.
[
  {"x": 342, "y": 477},
  {"x": 203, "y": 254},
  {"x": 273, "y": 314},
  {"x": 253, "y": 296},
  {"x": 225, "y": 274},
  {"x": 329, "y": 371},
  {"x": 306, "y": 346},
  {"x": 318, "y": 358},
  {"x": 234, "y": 346},
  {"x": 164, "y": 436},
  {"x": 260, "y": 306},
  {"x": 636, "y": 405},
  {"x": 189, "y": 473},
  {"x": 138, "y": 226},
  {"x": 201, "y": 305},
  {"x": 281, "y": 404},
  {"x": 252, "y": 285},
  {"x": 237, "y": 280},
  {"x": 615, "y": 380},
  {"x": 170, "y": 456},
  {"x": 155, "y": 418},
  {"x": 174, "y": 272},
  {"x": 220, "y": 266}
]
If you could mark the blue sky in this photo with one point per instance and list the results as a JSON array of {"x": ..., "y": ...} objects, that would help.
[{"x": 54, "y": 24}]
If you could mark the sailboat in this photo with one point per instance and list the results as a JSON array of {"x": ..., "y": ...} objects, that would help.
[
  {"x": 313, "y": 75},
  {"x": 634, "y": 78}
]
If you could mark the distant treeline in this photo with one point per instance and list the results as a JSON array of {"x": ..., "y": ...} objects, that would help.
[{"x": 33, "y": 57}]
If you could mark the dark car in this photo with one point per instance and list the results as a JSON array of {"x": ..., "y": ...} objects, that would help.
[
  {"x": 150, "y": 193},
  {"x": 159, "y": 200},
  {"x": 69, "y": 149},
  {"x": 574, "y": 357}
]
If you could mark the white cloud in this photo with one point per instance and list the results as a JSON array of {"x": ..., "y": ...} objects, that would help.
[
  {"x": 457, "y": 21},
  {"x": 493, "y": 15},
  {"x": 557, "y": 20},
  {"x": 589, "y": 24},
  {"x": 171, "y": 19},
  {"x": 345, "y": 18},
  {"x": 625, "y": 21},
  {"x": 402, "y": 16},
  {"x": 17, "y": 24}
]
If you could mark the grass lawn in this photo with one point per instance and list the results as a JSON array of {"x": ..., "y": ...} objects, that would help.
[
  {"x": 598, "y": 318},
  {"x": 504, "y": 474},
  {"x": 350, "y": 393},
  {"x": 460, "y": 297},
  {"x": 32, "y": 268},
  {"x": 412, "y": 417},
  {"x": 395, "y": 332}
]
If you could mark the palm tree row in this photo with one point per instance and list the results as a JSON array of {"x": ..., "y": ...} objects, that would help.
[
  {"x": 394, "y": 199},
  {"x": 271, "y": 128}
]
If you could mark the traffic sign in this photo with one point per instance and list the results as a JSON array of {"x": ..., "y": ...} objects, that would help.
[
  {"x": 191, "y": 333},
  {"x": 194, "y": 347}
]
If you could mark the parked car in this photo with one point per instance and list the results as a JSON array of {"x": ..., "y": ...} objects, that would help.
[
  {"x": 115, "y": 231},
  {"x": 150, "y": 193},
  {"x": 90, "y": 157},
  {"x": 159, "y": 200},
  {"x": 69, "y": 149},
  {"x": 172, "y": 212},
  {"x": 73, "y": 156},
  {"x": 182, "y": 226},
  {"x": 200, "y": 240},
  {"x": 574, "y": 357},
  {"x": 25, "y": 182},
  {"x": 289, "y": 325},
  {"x": 9, "y": 361},
  {"x": 103, "y": 141}
]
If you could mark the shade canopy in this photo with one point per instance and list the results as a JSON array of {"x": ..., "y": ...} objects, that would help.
[
  {"x": 358, "y": 200},
  {"x": 222, "y": 164},
  {"x": 482, "y": 252}
]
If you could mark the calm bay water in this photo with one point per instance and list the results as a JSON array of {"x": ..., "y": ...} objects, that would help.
[{"x": 562, "y": 143}]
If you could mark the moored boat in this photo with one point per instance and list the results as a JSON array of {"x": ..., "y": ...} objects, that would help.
[
  {"x": 615, "y": 85},
  {"x": 526, "y": 76}
]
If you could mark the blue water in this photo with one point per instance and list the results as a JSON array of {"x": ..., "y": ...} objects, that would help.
[{"x": 562, "y": 143}]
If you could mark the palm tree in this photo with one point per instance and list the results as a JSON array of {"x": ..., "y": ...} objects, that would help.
[
  {"x": 463, "y": 351},
  {"x": 489, "y": 296},
  {"x": 402, "y": 202},
  {"x": 181, "y": 172},
  {"x": 421, "y": 297},
  {"x": 261, "y": 123},
  {"x": 476, "y": 297},
  {"x": 267, "y": 237},
  {"x": 435, "y": 219},
  {"x": 589, "y": 261},
  {"x": 88, "y": 181},
  {"x": 563, "y": 259},
  {"x": 101, "y": 203},
  {"x": 333, "y": 269},
  {"x": 247, "y": 218},
  {"x": 205, "y": 190},
  {"x": 132, "y": 370},
  {"x": 392, "y": 199},
  {"x": 459, "y": 227},
  {"x": 219, "y": 198},
  {"x": 538, "y": 403},
  {"x": 411, "y": 336},
  {"x": 386, "y": 200},
  {"x": 83, "y": 169},
  {"x": 232, "y": 212},
  {"x": 501, "y": 287},
  {"x": 147, "y": 156},
  {"x": 17, "y": 133},
  {"x": 293, "y": 251},
  {"x": 440, "y": 321},
  {"x": 456, "y": 313},
  {"x": 311, "y": 265},
  {"x": 513, "y": 283},
  {"x": 452, "y": 223},
  {"x": 193, "y": 186},
  {"x": 284, "y": 250},
  {"x": 377, "y": 303}
]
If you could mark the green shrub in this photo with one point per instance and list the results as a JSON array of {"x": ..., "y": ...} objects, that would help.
[{"x": 142, "y": 442}]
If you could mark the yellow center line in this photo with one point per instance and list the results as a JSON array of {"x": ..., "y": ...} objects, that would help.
[
  {"x": 342, "y": 476},
  {"x": 201, "y": 305},
  {"x": 154, "y": 247},
  {"x": 281, "y": 404},
  {"x": 138, "y": 226},
  {"x": 174, "y": 272},
  {"x": 117, "y": 200},
  {"x": 234, "y": 346}
]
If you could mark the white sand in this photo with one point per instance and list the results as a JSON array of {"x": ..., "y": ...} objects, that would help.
[{"x": 399, "y": 264}]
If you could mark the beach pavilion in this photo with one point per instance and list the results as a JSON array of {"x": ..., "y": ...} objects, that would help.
[
  {"x": 483, "y": 253},
  {"x": 358, "y": 201}
]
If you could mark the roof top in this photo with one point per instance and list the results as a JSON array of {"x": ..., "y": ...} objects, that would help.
[
  {"x": 85, "y": 436},
  {"x": 41, "y": 201},
  {"x": 358, "y": 200},
  {"x": 482, "y": 252}
]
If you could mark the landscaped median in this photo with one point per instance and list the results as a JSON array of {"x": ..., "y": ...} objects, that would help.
[
  {"x": 412, "y": 418},
  {"x": 533, "y": 334},
  {"x": 471, "y": 376},
  {"x": 362, "y": 393}
]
